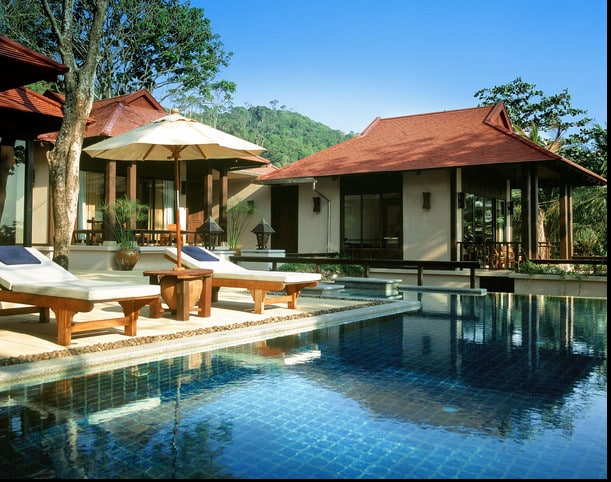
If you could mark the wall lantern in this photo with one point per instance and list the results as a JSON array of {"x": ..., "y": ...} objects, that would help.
[
  {"x": 210, "y": 232},
  {"x": 316, "y": 201},
  {"x": 263, "y": 231},
  {"x": 461, "y": 200},
  {"x": 426, "y": 200}
]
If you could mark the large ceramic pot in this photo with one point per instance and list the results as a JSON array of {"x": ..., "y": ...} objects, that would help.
[
  {"x": 168, "y": 291},
  {"x": 127, "y": 258}
]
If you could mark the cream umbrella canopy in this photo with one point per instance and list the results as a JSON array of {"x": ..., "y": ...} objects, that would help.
[{"x": 178, "y": 138}]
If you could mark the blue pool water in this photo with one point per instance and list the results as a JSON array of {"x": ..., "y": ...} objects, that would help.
[{"x": 495, "y": 386}]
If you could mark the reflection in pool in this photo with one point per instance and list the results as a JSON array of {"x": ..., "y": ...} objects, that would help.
[{"x": 495, "y": 386}]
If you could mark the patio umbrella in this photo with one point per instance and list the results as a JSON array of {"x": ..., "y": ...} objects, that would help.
[{"x": 173, "y": 137}]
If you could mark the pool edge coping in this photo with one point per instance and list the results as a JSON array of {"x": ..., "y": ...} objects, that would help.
[{"x": 41, "y": 371}]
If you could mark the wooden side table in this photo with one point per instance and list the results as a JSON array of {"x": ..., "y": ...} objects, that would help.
[{"x": 182, "y": 281}]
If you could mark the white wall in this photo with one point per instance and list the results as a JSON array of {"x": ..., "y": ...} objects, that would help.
[
  {"x": 319, "y": 232},
  {"x": 41, "y": 199},
  {"x": 426, "y": 232},
  {"x": 246, "y": 190}
]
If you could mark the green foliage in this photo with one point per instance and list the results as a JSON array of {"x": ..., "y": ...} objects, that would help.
[
  {"x": 576, "y": 270},
  {"x": 587, "y": 242},
  {"x": 287, "y": 136},
  {"x": 237, "y": 221},
  {"x": 351, "y": 270},
  {"x": 528, "y": 267},
  {"x": 527, "y": 106},
  {"x": 327, "y": 271},
  {"x": 162, "y": 45},
  {"x": 7, "y": 234},
  {"x": 123, "y": 217},
  {"x": 588, "y": 148}
]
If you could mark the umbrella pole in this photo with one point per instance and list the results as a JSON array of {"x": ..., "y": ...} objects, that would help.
[{"x": 177, "y": 214}]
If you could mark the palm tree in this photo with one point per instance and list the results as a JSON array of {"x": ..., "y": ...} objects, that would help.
[
  {"x": 548, "y": 217},
  {"x": 589, "y": 203},
  {"x": 532, "y": 134}
]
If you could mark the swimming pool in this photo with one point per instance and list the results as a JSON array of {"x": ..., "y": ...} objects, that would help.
[{"x": 495, "y": 386}]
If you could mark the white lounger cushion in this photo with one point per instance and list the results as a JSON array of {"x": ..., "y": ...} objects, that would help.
[
  {"x": 287, "y": 277},
  {"x": 89, "y": 290},
  {"x": 31, "y": 269},
  {"x": 37, "y": 274},
  {"x": 228, "y": 270}
]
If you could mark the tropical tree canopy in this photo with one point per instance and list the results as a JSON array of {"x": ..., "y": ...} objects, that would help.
[
  {"x": 552, "y": 122},
  {"x": 528, "y": 106},
  {"x": 165, "y": 46}
]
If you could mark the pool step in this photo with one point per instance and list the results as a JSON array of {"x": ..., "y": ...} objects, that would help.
[
  {"x": 324, "y": 289},
  {"x": 377, "y": 286}
]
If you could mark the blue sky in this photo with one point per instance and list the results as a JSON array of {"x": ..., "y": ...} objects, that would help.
[{"x": 346, "y": 62}]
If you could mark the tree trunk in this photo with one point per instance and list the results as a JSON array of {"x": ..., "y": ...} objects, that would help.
[
  {"x": 64, "y": 162},
  {"x": 64, "y": 158}
]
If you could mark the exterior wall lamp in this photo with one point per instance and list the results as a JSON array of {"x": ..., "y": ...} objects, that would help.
[
  {"x": 426, "y": 200},
  {"x": 210, "y": 232},
  {"x": 262, "y": 231}
]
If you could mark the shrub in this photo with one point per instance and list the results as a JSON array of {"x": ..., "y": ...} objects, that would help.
[
  {"x": 577, "y": 270},
  {"x": 327, "y": 271}
]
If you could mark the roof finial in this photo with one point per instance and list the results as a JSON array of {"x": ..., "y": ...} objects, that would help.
[{"x": 174, "y": 110}]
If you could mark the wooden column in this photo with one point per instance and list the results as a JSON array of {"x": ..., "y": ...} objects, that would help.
[
  {"x": 110, "y": 195},
  {"x": 208, "y": 178},
  {"x": 131, "y": 174},
  {"x": 453, "y": 216},
  {"x": 566, "y": 221},
  {"x": 29, "y": 190},
  {"x": 530, "y": 209},
  {"x": 223, "y": 199}
]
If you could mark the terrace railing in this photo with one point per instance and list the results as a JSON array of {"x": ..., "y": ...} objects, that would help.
[{"x": 491, "y": 255}]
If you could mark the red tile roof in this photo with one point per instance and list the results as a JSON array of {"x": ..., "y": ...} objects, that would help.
[
  {"x": 456, "y": 138},
  {"x": 23, "y": 99},
  {"x": 22, "y": 66},
  {"x": 264, "y": 167},
  {"x": 117, "y": 115},
  {"x": 24, "y": 114},
  {"x": 122, "y": 113}
]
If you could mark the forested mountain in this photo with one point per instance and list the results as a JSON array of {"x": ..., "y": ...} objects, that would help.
[{"x": 287, "y": 136}]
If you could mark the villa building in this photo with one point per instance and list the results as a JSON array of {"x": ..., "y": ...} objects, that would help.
[{"x": 434, "y": 186}]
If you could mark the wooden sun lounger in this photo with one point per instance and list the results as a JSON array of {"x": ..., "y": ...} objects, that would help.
[
  {"x": 29, "y": 278},
  {"x": 258, "y": 282}
]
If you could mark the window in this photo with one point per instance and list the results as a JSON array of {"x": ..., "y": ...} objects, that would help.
[
  {"x": 372, "y": 219},
  {"x": 91, "y": 197},
  {"x": 483, "y": 219},
  {"x": 12, "y": 193}
]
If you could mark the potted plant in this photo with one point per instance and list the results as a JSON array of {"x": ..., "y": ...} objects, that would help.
[
  {"x": 123, "y": 217},
  {"x": 238, "y": 217}
]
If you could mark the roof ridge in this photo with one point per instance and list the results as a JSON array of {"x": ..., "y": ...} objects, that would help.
[{"x": 435, "y": 113}]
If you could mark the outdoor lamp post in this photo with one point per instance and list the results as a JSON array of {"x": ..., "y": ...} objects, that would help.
[
  {"x": 263, "y": 231},
  {"x": 210, "y": 232}
]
